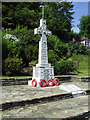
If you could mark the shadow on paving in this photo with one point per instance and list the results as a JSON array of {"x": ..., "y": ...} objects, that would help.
[
  {"x": 11, "y": 105},
  {"x": 85, "y": 116}
]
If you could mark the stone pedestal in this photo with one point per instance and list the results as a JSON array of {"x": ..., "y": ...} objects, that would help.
[
  {"x": 43, "y": 69},
  {"x": 43, "y": 73}
]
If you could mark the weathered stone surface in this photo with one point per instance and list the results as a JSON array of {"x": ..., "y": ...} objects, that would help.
[
  {"x": 24, "y": 92},
  {"x": 13, "y": 81},
  {"x": 57, "y": 109},
  {"x": 50, "y": 109}
]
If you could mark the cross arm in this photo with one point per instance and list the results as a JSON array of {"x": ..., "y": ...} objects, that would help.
[
  {"x": 37, "y": 30},
  {"x": 48, "y": 33}
]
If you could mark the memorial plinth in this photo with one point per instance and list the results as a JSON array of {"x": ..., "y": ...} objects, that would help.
[{"x": 42, "y": 70}]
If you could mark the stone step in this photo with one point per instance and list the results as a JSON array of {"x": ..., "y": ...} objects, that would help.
[
  {"x": 66, "y": 109},
  {"x": 39, "y": 100},
  {"x": 10, "y": 105}
]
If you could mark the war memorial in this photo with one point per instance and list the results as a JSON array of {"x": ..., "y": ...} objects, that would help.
[
  {"x": 45, "y": 97},
  {"x": 43, "y": 73}
]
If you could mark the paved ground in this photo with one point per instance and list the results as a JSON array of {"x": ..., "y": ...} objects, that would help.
[
  {"x": 56, "y": 109},
  {"x": 25, "y": 92}
]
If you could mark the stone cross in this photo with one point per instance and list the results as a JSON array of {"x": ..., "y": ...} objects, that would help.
[
  {"x": 42, "y": 70},
  {"x": 43, "y": 33}
]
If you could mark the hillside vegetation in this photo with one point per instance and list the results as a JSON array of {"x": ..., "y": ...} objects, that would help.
[
  {"x": 83, "y": 64},
  {"x": 20, "y": 45}
]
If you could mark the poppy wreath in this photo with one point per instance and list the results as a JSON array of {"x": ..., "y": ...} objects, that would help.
[
  {"x": 56, "y": 81},
  {"x": 43, "y": 83},
  {"x": 50, "y": 82},
  {"x": 34, "y": 83}
]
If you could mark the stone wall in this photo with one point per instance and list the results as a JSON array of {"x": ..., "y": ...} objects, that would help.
[
  {"x": 24, "y": 81},
  {"x": 82, "y": 79},
  {"x": 14, "y": 81}
]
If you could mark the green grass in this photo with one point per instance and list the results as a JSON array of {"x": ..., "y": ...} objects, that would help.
[
  {"x": 83, "y": 64},
  {"x": 78, "y": 75},
  {"x": 6, "y": 77}
]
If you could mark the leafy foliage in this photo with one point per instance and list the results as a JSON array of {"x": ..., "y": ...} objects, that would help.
[
  {"x": 64, "y": 66},
  {"x": 32, "y": 64},
  {"x": 77, "y": 48},
  {"x": 20, "y": 19},
  {"x": 52, "y": 41},
  {"x": 84, "y": 26},
  {"x": 5, "y": 49},
  {"x": 13, "y": 66},
  {"x": 58, "y": 15},
  {"x": 61, "y": 49},
  {"x": 27, "y": 45},
  {"x": 22, "y": 13},
  {"x": 52, "y": 57}
]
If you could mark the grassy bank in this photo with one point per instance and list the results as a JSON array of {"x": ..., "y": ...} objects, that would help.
[
  {"x": 83, "y": 65},
  {"x": 82, "y": 70}
]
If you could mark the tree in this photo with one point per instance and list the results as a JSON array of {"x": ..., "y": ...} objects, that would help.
[
  {"x": 22, "y": 13},
  {"x": 28, "y": 44},
  {"x": 21, "y": 18},
  {"x": 84, "y": 26},
  {"x": 58, "y": 15}
]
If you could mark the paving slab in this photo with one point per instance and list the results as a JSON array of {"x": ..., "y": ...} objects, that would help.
[
  {"x": 56, "y": 109},
  {"x": 62, "y": 108},
  {"x": 25, "y": 92}
]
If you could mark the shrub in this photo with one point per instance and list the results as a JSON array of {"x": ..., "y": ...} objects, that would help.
[
  {"x": 26, "y": 46},
  {"x": 5, "y": 49},
  {"x": 13, "y": 66},
  {"x": 64, "y": 66},
  {"x": 32, "y": 64},
  {"x": 52, "y": 57},
  {"x": 61, "y": 49},
  {"x": 52, "y": 41},
  {"x": 77, "y": 48},
  {"x": 83, "y": 50}
]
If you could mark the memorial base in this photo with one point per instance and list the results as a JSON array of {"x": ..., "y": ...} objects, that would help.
[{"x": 45, "y": 71}]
